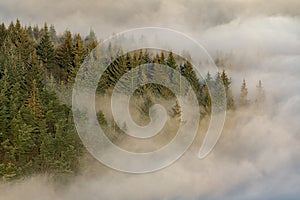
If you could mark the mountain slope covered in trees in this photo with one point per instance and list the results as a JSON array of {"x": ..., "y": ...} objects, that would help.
[{"x": 37, "y": 134}]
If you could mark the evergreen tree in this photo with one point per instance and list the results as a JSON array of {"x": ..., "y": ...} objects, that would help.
[
  {"x": 243, "y": 100},
  {"x": 36, "y": 32},
  {"x": 229, "y": 96},
  {"x": 91, "y": 37},
  {"x": 91, "y": 41},
  {"x": 64, "y": 57},
  {"x": 45, "y": 49},
  {"x": 171, "y": 62},
  {"x": 189, "y": 73},
  {"x": 260, "y": 95},
  {"x": 52, "y": 34},
  {"x": 162, "y": 58},
  {"x": 3, "y": 33},
  {"x": 30, "y": 32},
  {"x": 78, "y": 58},
  {"x": 34, "y": 103}
]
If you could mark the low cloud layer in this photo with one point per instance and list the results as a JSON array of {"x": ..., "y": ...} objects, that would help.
[
  {"x": 258, "y": 154},
  {"x": 106, "y": 17}
]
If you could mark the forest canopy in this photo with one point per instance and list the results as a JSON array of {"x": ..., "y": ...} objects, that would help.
[{"x": 37, "y": 133}]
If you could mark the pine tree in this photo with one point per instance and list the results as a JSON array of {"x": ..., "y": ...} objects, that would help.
[
  {"x": 64, "y": 56},
  {"x": 79, "y": 50},
  {"x": 52, "y": 34},
  {"x": 205, "y": 93},
  {"x": 260, "y": 95},
  {"x": 34, "y": 103},
  {"x": 45, "y": 49},
  {"x": 156, "y": 59},
  {"x": 218, "y": 94},
  {"x": 191, "y": 76},
  {"x": 91, "y": 37},
  {"x": 229, "y": 96},
  {"x": 79, "y": 56},
  {"x": 171, "y": 62},
  {"x": 3, "y": 33},
  {"x": 24, "y": 45},
  {"x": 141, "y": 57},
  {"x": 243, "y": 100},
  {"x": 91, "y": 41},
  {"x": 12, "y": 63},
  {"x": 36, "y": 32},
  {"x": 30, "y": 32},
  {"x": 162, "y": 58}
]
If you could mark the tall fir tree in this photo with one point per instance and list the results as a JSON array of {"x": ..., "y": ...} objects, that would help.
[
  {"x": 3, "y": 33},
  {"x": 243, "y": 100},
  {"x": 78, "y": 55},
  {"x": 52, "y": 34},
  {"x": 64, "y": 57},
  {"x": 45, "y": 50},
  {"x": 229, "y": 96},
  {"x": 34, "y": 102}
]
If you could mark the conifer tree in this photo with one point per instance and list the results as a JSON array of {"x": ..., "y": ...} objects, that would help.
[
  {"x": 52, "y": 34},
  {"x": 45, "y": 49},
  {"x": 30, "y": 32},
  {"x": 260, "y": 95},
  {"x": 91, "y": 37},
  {"x": 243, "y": 100},
  {"x": 191, "y": 76},
  {"x": 171, "y": 62},
  {"x": 3, "y": 33},
  {"x": 64, "y": 57},
  {"x": 162, "y": 58},
  {"x": 34, "y": 103},
  {"x": 229, "y": 97},
  {"x": 91, "y": 41},
  {"x": 78, "y": 57},
  {"x": 36, "y": 32}
]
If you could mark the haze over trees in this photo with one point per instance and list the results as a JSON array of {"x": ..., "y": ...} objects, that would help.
[{"x": 37, "y": 134}]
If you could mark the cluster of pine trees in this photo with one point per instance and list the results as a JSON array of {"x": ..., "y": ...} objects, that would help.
[
  {"x": 37, "y": 134},
  {"x": 36, "y": 131},
  {"x": 127, "y": 62}
]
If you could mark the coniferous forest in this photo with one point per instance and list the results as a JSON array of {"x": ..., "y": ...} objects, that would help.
[{"x": 37, "y": 66}]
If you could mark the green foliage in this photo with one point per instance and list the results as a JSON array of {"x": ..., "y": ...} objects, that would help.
[
  {"x": 37, "y": 134},
  {"x": 64, "y": 57},
  {"x": 45, "y": 49}
]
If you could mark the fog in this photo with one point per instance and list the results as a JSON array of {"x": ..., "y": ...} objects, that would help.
[
  {"x": 257, "y": 156},
  {"x": 106, "y": 17}
]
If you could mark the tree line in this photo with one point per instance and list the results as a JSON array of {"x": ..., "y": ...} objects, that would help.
[{"x": 37, "y": 134}]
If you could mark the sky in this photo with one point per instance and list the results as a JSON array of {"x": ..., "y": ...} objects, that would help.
[
  {"x": 257, "y": 156},
  {"x": 107, "y": 17}
]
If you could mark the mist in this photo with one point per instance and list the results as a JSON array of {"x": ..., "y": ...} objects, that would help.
[{"x": 257, "y": 156}]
